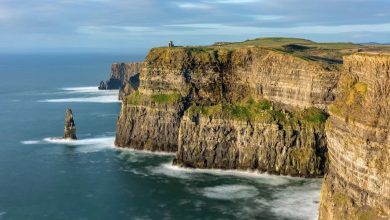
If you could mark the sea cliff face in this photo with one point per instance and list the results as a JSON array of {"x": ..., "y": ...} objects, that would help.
[
  {"x": 123, "y": 76},
  {"x": 151, "y": 126},
  {"x": 285, "y": 147},
  {"x": 242, "y": 108},
  {"x": 357, "y": 185}
]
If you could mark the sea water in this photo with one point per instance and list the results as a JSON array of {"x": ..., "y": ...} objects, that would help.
[{"x": 42, "y": 177}]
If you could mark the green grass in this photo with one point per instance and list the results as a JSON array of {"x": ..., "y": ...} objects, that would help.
[
  {"x": 259, "y": 110},
  {"x": 314, "y": 115},
  {"x": 165, "y": 98},
  {"x": 246, "y": 110},
  {"x": 268, "y": 42},
  {"x": 278, "y": 42},
  {"x": 136, "y": 98}
]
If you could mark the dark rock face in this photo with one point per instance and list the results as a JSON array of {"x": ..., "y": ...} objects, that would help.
[
  {"x": 110, "y": 84},
  {"x": 153, "y": 127},
  {"x": 217, "y": 142},
  {"x": 69, "y": 126},
  {"x": 121, "y": 75}
]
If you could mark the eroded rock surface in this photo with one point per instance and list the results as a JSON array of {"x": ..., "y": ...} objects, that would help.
[
  {"x": 357, "y": 185},
  {"x": 69, "y": 125},
  {"x": 277, "y": 147}
]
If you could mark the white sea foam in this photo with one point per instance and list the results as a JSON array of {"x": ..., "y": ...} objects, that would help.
[
  {"x": 145, "y": 152},
  {"x": 2, "y": 214},
  {"x": 228, "y": 192},
  {"x": 85, "y": 89},
  {"x": 97, "y": 99},
  {"x": 28, "y": 142},
  {"x": 170, "y": 171},
  {"x": 180, "y": 172},
  {"x": 88, "y": 145},
  {"x": 303, "y": 198},
  {"x": 86, "y": 94}
]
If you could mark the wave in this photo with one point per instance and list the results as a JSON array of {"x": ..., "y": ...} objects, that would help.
[
  {"x": 88, "y": 145},
  {"x": 289, "y": 194},
  {"x": 181, "y": 172},
  {"x": 304, "y": 198},
  {"x": 147, "y": 152},
  {"x": 85, "y": 94},
  {"x": 99, "y": 99},
  {"x": 229, "y": 192},
  {"x": 29, "y": 142},
  {"x": 85, "y": 89}
]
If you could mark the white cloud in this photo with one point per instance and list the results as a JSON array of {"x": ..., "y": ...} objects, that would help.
[
  {"x": 204, "y": 29},
  {"x": 208, "y": 4},
  {"x": 214, "y": 28},
  {"x": 7, "y": 14},
  {"x": 194, "y": 6},
  {"x": 113, "y": 29},
  {"x": 232, "y": 1},
  {"x": 268, "y": 17}
]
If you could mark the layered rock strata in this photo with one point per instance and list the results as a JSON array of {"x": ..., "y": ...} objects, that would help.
[
  {"x": 69, "y": 125},
  {"x": 357, "y": 185},
  {"x": 278, "y": 145},
  {"x": 151, "y": 126},
  {"x": 174, "y": 81}
]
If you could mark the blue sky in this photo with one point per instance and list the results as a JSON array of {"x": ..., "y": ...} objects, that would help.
[{"x": 130, "y": 25}]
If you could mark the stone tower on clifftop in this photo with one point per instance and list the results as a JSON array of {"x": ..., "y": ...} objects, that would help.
[{"x": 69, "y": 125}]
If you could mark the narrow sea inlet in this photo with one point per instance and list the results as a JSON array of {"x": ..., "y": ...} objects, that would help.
[{"x": 45, "y": 178}]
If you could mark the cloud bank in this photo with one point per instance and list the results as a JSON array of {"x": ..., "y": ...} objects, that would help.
[{"x": 120, "y": 25}]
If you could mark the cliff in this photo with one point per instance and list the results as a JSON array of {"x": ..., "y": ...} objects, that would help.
[
  {"x": 123, "y": 76},
  {"x": 357, "y": 185},
  {"x": 274, "y": 142},
  {"x": 149, "y": 123},
  {"x": 264, "y": 105},
  {"x": 258, "y": 106}
]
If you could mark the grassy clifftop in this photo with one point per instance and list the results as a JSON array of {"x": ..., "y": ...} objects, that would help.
[{"x": 313, "y": 51}]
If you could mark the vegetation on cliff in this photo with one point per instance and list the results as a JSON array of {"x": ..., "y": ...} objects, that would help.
[
  {"x": 260, "y": 111},
  {"x": 136, "y": 98}
]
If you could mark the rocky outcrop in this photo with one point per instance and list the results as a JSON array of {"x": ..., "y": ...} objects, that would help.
[
  {"x": 357, "y": 185},
  {"x": 248, "y": 132},
  {"x": 124, "y": 76},
  {"x": 69, "y": 126}
]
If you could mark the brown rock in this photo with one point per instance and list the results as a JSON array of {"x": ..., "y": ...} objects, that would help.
[
  {"x": 357, "y": 185},
  {"x": 69, "y": 126}
]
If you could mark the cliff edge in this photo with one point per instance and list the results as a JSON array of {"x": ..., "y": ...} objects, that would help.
[{"x": 357, "y": 185}]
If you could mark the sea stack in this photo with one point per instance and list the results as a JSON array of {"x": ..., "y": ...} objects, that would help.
[{"x": 69, "y": 126}]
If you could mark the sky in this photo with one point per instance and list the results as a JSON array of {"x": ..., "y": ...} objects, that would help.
[{"x": 137, "y": 25}]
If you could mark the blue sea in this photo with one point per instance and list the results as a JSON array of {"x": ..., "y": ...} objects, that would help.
[{"x": 45, "y": 178}]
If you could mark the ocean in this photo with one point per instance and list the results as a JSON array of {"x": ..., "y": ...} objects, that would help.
[{"x": 45, "y": 178}]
